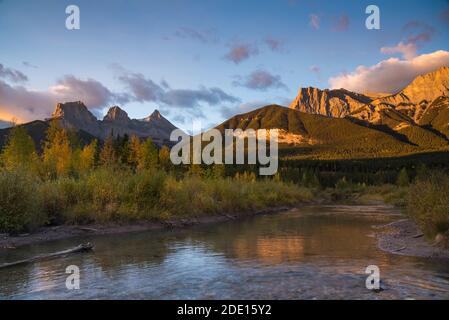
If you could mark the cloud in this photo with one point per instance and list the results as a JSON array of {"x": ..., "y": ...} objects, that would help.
[
  {"x": 341, "y": 23},
  {"x": 90, "y": 91},
  {"x": 187, "y": 98},
  {"x": 240, "y": 52},
  {"x": 391, "y": 75},
  {"x": 228, "y": 112},
  {"x": 143, "y": 89},
  {"x": 24, "y": 104},
  {"x": 315, "y": 69},
  {"x": 204, "y": 36},
  {"x": 408, "y": 50},
  {"x": 260, "y": 80},
  {"x": 444, "y": 15},
  {"x": 415, "y": 35},
  {"x": 12, "y": 74},
  {"x": 29, "y": 65},
  {"x": 314, "y": 21},
  {"x": 274, "y": 44}
]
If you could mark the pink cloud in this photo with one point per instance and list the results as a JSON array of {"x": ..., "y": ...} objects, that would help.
[
  {"x": 314, "y": 21},
  {"x": 241, "y": 52},
  {"x": 408, "y": 50},
  {"x": 391, "y": 75}
]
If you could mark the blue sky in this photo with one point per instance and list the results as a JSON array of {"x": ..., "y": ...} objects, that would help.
[{"x": 201, "y": 59}]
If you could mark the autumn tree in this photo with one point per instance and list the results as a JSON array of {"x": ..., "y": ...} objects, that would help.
[
  {"x": 20, "y": 151},
  {"x": 133, "y": 151},
  {"x": 57, "y": 154},
  {"x": 148, "y": 155},
  {"x": 164, "y": 158},
  {"x": 87, "y": 155},
  {"x": 108, "y": 155}
]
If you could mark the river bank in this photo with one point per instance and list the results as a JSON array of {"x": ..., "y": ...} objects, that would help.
[
  {"x": 403, "y": 237},
  {"x": 51, "y": 233}
]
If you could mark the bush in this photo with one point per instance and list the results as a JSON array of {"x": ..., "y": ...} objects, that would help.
[
  {"x": 20, "y": 207},
  {"x": 428, "y": 203}
]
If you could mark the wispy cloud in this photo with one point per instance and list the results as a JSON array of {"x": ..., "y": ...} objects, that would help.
[
  {"x": 314, "y": 21},
  {"x": 275, "y": 44},
  {"x": 204, "y": 36},
  {"x": 143, "y": 89},
  {"x": 416, "y": 34},
  {"x": 17, "y": 101},
  {"x": 391, "y": 75},
  {"x": 12, "y": 74},
  {"x": 239, "y": 52},
  {"x": 260, "y": 80},
  {"x": 228, "y": 112},
  {"x": 341, "y": 23},
  {"x": 444, "y": 15},
  {"x": 29, "y": 65}
]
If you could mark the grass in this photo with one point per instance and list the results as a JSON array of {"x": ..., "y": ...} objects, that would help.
[{"x": 106, "y": 195}]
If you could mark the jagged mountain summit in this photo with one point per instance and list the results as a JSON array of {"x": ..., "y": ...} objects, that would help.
[
  {"x": 331, "y": 103},
  {"x": 75, "y": 115},
  {"x": 405, "y": 113}
]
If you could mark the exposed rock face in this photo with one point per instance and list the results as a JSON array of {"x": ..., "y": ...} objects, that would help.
[
  {"x": 331, "y": 103},
  {"x": 413, "y": 100},
  {"x": 116, "y": 122},
  {"x": 76, "y": 115},
  {"x": 115, "y": 114},
  {"x": 426, "y": 87}
]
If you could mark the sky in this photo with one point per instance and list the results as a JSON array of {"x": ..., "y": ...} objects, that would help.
[{"x": 207, "y": 60}]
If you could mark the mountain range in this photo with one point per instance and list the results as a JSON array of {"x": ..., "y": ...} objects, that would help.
[{"x": 319, "y": 123}]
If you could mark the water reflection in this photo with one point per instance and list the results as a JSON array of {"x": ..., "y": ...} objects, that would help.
[{"x": 315, "y": 252}]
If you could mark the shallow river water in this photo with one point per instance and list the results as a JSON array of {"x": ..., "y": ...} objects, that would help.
[{"x": 317, "y": 252}]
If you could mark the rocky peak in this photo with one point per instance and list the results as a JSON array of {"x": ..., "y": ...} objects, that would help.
[
  {"x": 331, "y": 103},
  {"x": 116, "y": 114},
  {"x": 426, "y": 87},
  {"x": 75, "y": 112},
  {"x": 156, "y": 115}
]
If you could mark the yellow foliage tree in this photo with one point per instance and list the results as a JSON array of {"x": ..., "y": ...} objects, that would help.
[
  {"x": 57, "y": 155},
  {"x": 164, "y": 158},
  {"x": 148, "y": 155},
  {"x": 19, "y": 151}
]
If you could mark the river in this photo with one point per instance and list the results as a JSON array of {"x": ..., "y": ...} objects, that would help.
[{"x": 316, "y": 252}]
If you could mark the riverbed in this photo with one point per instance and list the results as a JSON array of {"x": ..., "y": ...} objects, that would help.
[{"x": 315, "y": 252}]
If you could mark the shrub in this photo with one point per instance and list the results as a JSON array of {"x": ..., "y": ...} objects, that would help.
[
  {"x": 428, "y": 203},
  {"x": 20, "y": 207}
]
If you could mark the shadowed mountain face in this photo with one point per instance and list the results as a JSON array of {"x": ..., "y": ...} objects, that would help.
[
  {"x": 116, "y": 122},
  {"x": 335, "y": 123},
  {"x": 318, "y": 136}
]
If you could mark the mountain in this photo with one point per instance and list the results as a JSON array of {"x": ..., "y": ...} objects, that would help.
[
  {"x": 416, "y": 115},
  {"x": 332, "y": 103},
  {"x": 317, "y": 136},
  {"x": 38, "y": 130},
  {"x": 115, "y": 122},
  {"x": 75, "y": 116}
]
